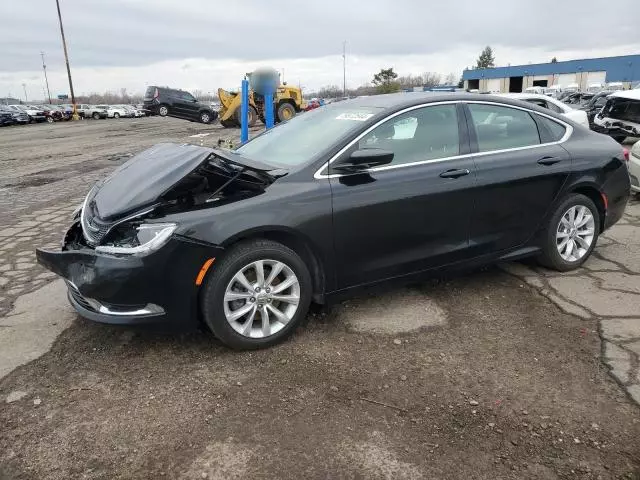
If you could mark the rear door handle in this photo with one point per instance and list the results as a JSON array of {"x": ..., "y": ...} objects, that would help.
[
  {"x": 549, "y": 160},
  {"x": 455, "y": 173}
]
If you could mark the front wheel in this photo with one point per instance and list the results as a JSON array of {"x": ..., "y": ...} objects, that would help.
[
  {"x": 572, "y": 234},
  {"x": 252, "y": 116},
  {"x": 116, "y": 115},
  {"x": 286, "y": 112},
  {"x": 163, "y": 110},
  {"x": 49, "y": 119},
  {"x": 257, "y": 295}
]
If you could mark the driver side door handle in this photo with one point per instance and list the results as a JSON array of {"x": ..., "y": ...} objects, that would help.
[
  {"x": 549, "y": 160},
  {"x": 455, "y": 173}
]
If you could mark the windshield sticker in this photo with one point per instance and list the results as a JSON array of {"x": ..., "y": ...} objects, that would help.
[{"x": 355, "y": 116}]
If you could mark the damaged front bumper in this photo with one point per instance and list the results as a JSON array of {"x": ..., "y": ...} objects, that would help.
[{"x": 127, "y": 289}]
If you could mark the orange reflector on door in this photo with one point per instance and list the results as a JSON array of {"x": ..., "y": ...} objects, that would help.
[{"x": 203, "y": 271}]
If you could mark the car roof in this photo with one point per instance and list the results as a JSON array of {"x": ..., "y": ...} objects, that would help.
[
  {"x": 393, "y": 101},
  {"x": 523, "y": 95},
  {"x": 630, "y": 94}
]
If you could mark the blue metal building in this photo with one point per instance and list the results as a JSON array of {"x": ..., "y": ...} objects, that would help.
[{"x": 585, "y": 72}]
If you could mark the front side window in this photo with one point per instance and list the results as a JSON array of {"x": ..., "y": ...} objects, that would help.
[
  {"x": 423, "y": 134},
  {"x": 500, "y": 128}
]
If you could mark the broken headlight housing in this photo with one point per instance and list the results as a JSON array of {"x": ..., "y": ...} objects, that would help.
[{"x": 138, "y": 239}]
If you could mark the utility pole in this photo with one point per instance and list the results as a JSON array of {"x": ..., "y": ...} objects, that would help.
[
  {"x": 344, "y": 68},
  {"x": 24, "y": 86},
  {"x": 46, "y": 80},
  {"x": 66, "y": 59}
]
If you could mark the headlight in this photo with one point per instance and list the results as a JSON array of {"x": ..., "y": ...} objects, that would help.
[{"x": 140, "y": 240}]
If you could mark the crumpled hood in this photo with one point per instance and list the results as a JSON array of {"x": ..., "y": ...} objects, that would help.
[{"x": 141, "y": 180}]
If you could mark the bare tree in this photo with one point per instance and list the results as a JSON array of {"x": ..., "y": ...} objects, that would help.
[
  {"x": 431, "y": 79},
  {"x": 410, "y": 81},
  {"x": 451, "y": 79}
]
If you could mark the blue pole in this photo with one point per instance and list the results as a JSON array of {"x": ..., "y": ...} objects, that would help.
[
  {"x": 244, "y": 112},
  {"x": 268, "y": 110}
]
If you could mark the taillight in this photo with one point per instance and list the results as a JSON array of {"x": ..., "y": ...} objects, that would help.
[
  {"x": 156, "y": 94},
  {"x": 625, "y": 152}
]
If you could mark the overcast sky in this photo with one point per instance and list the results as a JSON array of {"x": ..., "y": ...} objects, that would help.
[{"x": 205, "y": 44}]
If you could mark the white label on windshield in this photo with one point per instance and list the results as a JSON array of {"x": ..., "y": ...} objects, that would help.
[{"x": 358, "y": 117}]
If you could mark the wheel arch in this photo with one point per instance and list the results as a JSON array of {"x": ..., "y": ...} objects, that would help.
[
  {"x": 298, "y": 243},
  {"x": 592, "y": 192}
]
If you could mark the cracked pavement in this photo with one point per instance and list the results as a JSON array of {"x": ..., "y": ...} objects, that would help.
[
  {"x": 484, "y": 375},
  {"x": 606, "y": 288}
]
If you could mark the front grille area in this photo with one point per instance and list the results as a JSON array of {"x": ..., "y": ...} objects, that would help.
[{"x": 93, "y": 229}]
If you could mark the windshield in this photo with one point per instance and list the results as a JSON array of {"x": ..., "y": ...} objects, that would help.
[{"x": 295, "y": 142}]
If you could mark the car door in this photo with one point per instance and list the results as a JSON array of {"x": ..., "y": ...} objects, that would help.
[
  {"x": 176, "y": 103},
  {"x": 521, "y": 168},
  {"x": 189, "y": 105},
  {"x": 412, "y": 214}
]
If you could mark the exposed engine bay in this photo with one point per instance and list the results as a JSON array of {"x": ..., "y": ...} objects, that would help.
[
  {"x": 620, "y": 117},
  {"x": 184, "y": 177}
]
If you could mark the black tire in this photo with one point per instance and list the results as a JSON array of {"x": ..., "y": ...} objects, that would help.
[
  {"x": 96, "y": 116},
  {"x": 116, "y": 115},
  {"x": 253, "y": 116},
  {"x": 212, "y": 298},
  {"x": 206, "y": 116},
  {"x": 550, "y": 256},
  {"x": 163, "y": 110},
  {"x": 286, "y": 111}
]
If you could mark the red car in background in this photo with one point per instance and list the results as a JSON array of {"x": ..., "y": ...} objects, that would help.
[{"x": 312, "y": 104}]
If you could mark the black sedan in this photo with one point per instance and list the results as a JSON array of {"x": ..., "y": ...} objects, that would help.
[{"x": 353, "y": 194}]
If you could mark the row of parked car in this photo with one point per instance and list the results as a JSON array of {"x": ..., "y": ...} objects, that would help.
[
  {"x": 23, "y": 114},
  {"x": 607, "y": 109}
]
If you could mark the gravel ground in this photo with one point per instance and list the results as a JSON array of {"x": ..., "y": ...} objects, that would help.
[{"x": 474, "y": 376}]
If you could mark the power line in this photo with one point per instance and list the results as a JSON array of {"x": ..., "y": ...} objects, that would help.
[
  {"x": 66, "y": 59},
  {"x": 344, "y": 68},
  {"x": 44, "y": 69}
]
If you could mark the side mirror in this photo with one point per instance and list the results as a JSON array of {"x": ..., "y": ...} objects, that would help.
[{"x": 364, "y": 159}]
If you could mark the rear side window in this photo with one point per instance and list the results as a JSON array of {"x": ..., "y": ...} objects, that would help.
[
  {"x": 556, "y": 130},
  {"x": 500, "y": 128},
  {"x": 149, "y": 93}
]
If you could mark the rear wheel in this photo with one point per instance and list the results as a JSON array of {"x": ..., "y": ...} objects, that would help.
[
  {"x": 116, "y": 115},
  {"x": 257, "y": 295},
  {"x": 286, "y": 111},
  {"x": 572, "y": 233},
  {"x": 205, "y": 117},
  {"x": 96, "y": 116},
  {"x": 163, "y": 110}
]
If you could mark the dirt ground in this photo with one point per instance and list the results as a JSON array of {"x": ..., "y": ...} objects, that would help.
[{"x": 474, "y": 376}]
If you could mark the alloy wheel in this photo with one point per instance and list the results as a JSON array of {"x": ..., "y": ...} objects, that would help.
[
  {"x": 575, "y": 233},
  {"x": 261, "y": 298},
  {"x": 204, "y": 118}
]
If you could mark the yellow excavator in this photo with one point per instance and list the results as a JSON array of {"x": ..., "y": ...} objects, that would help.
[{"x": 288, "y": 102}]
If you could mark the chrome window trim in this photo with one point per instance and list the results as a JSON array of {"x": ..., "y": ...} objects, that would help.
[{"x": 567, "y": 135}]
